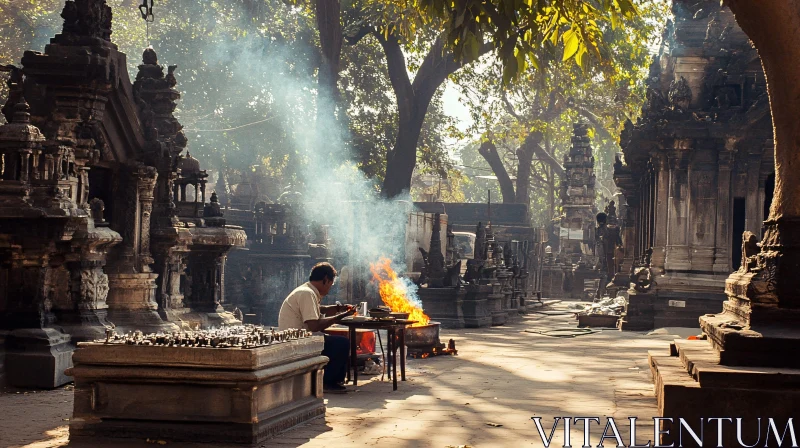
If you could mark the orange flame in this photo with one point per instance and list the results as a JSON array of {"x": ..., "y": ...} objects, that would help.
[{"x": 394, "y": 292}]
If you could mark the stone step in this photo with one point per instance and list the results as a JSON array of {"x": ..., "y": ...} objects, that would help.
[
  {"x": 702, "y": 362},
  {"x": 735, "y": 394}
]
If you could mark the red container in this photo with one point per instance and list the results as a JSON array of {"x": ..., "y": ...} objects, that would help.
[{"x": 364, "y": 338}]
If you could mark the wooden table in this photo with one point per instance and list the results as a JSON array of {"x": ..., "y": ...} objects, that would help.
[{"x": 395, "y": 330}]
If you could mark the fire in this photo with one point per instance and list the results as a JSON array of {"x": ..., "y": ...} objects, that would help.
[{"x": 394, "y": 292}]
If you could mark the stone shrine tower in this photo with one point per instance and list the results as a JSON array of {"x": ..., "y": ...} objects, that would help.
[
  {"x": 578, "y": 198},
  {"x": 91, "y": 237}
]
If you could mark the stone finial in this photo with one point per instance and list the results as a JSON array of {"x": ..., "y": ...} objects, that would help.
[
  {"x": 87, "y": 18},
  {"x": 212, "y": 209},
  {"x": 149, "y": 57},
  {"x": 20, "y": 128},
  {"x": 22, "y": 112}
]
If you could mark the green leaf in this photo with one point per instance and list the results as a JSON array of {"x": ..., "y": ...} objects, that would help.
[
  {"x": 471, "y": 46},
  {"x": 571, "y": 43},
  {"x": 509, "y": 70},
  {"x": 521, "y": 63},
  {"x": 554, "y": 37},
  {"x": 579, "y": 57}
]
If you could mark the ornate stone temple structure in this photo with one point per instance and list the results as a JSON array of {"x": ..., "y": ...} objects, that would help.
[
  {"x": 697, "y": 168},
  {"x": 90, "y": 233},
  {"x": 279, "y": 256},
  {"x": 574, "y": 265}
]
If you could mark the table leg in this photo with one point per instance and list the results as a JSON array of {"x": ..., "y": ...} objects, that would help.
[
  {"x": 354, "y": 355},
  {"x": 349, "y": 361},
  {"x": 389, "y": 362},
  {"x": 394, "y": 359},
  {"x": 403, "y": 354}
]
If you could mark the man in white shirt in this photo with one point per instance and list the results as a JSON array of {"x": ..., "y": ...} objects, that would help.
[{"x": 302, "y": 309}]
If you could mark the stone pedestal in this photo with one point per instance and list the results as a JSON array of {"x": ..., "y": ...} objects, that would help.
[
  {"x": 495, "y": 304},
  {"x": 475, "y": 306},
  {"x": 132, "y": 306},
  {"x": 196, "y": 394},
  {"x": 638, "y": 315},
  {"x": 553, "y": 281},
  {"x": 38, "y": 357},
  {"x": 444, "y": 305}
]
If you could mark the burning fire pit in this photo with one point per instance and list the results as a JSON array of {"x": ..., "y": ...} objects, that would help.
[
  {"x": 422, "y": 338},
  {"x": 423, "y": 341}
]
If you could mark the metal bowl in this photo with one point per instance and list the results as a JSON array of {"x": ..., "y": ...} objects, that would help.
[
  {"x": 399, "y": 315},
  {"x": 379, "y": 314}
]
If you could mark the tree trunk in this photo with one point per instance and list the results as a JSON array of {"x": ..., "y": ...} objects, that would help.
[
  {"x": 402, "y": 159},
  {"x": 773, "y": 27},
  {"x": 489, "y": 152},
  {"x": 525, "y": 160},
  {"x": 413, "y": 100},
  {"x": 330, "y": 36}
]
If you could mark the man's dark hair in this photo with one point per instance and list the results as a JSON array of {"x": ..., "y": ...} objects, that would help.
[
  {"x": 601, "y": 218},
  {"x": 322, "y": 271}
]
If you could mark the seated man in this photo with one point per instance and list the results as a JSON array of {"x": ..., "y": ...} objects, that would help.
[{"x": 302, "y": 309}]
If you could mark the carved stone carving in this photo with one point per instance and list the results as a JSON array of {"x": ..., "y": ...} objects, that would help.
[
  {"x": 93, "y": 289},
  {"x": 87, "y": 18},
  {"x": 680, "y": 94}
]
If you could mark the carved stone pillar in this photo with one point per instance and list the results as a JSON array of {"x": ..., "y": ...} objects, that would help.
[
  {"x": 89, "y": 284},
  {"x": 170, "y": 249},
  {"x": 132, "y": 284},
  {"x": 146, "y": 181},
  {"x": 677, "y": 256},
  {"x": 660, "y": 164},
  {"x": 722, "y": 255}
]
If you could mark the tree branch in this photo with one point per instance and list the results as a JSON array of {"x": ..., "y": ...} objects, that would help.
[
  {"x": 398, "y": 74},
  {"x": 489, "y": 152},
  {"x": 533, "y": 140}
]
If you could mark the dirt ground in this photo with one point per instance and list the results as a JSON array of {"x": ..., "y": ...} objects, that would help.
[{"x": 483, "y": 397}]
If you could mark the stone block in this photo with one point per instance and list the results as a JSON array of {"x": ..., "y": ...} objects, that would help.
[
  {"x": 443, "y": 305},
  {"x": 196, "y": 394},
  {"x": 495, "y": 304},
  {"x": 38, "y": 358},
  {"x": 475, "y": 306}
]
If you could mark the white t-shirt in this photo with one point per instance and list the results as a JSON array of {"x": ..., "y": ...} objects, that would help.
[{"x": 301, "y": 305}]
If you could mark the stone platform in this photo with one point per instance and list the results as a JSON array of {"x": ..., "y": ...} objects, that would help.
[
  {"x": 691, "y": 383},
  {"x": 659, "y": 309},
  {"x": 198, "y": 394}
]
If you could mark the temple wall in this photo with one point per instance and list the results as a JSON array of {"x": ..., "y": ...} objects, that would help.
[{"x": 696, "y": 163}]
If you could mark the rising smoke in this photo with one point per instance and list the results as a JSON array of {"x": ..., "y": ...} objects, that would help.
[{"x": 333, "y": 191}]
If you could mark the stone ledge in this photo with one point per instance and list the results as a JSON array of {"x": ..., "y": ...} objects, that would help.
[
  {"x": 99, "y": 353},
  {"x": 702, "y": 361},
  {"x": 763, "y": 345}
]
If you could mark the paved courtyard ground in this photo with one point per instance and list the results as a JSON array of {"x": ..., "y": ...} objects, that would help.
[{"x": 484, "y": 397}]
